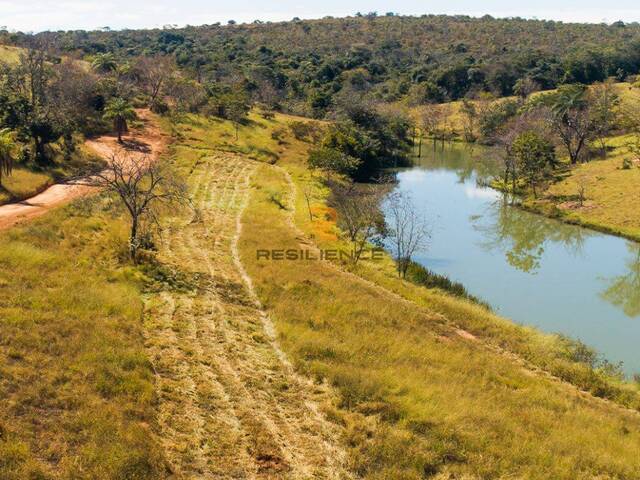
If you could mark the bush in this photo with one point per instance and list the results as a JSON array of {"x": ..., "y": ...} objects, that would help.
[{"x": 302, "y": 130}]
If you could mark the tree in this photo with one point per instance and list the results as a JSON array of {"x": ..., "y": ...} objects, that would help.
[
  {"x": 71, "y": 93},
  {"x": 470, "y": 115},
  {"x": 331, "y": 160},
  {"x": 604, "y": 111},
  {"x": 104, "y": 63},
  {"x": 120, "y": 111},
  {"x": 154, "y": 73},
  {"x": 7, "y": 147},
  {"x": 143, "y": 186},
  {"x": 359, "y": 215},
  {"x": 408, "y": 232},
  {"x": 572, "y": 119},
  {"x": 533, "y": 154},
  {"x": 25, "y": 103},
  {"x": 525, "y": 87}
]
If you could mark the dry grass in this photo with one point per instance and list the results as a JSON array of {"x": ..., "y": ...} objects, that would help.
[
  {"x": 76, "y": 386},
  {"x": 22, "y": 184},
  {"x": 9, "y": 54},
  {"x": 229, "y": 405}
]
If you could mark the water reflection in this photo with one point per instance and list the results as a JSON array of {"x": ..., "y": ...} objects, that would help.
[
  {"x": 522, "y": 236},
  {"x": 624, "y": 290}
]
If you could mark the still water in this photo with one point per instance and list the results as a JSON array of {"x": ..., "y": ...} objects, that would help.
[{"x": 531, "y": 269}]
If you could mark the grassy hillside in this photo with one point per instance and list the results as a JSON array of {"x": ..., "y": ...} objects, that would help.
[
  {"x": 9, "y": 54},
  {"x": 610, "y": 201},
  {"x": 424, "y": 384},
  {"x": 431, "y": 386},
  {"x": 77, "y": 389}
]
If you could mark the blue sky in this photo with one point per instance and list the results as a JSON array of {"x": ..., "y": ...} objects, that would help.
[{"x": 37, "y": 15}]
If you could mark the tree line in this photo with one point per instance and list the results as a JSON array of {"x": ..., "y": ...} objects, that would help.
[{"x": 303, "y": 66}]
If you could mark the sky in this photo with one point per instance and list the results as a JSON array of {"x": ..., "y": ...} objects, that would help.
[{"x": 39, "y": 15}]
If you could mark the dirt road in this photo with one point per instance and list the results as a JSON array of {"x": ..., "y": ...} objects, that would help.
[
  {"x": 147, "y": 141},
  {"x": 230, "y": 404}
]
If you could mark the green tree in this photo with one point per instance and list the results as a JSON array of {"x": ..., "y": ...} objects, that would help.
[
  {"x": 331, "y": 160},
  {"x": 105, "y": 63},
  {"x": 119, "y": 111},
  {"x": 7, "y": 148},
  {"x": 572, "y": 118},
  {"x": 533, "y": 154}
]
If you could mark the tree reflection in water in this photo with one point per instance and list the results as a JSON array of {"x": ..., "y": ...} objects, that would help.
[
  {"x": 624, "y": 290},
  {"x": 522, "y": 235}
]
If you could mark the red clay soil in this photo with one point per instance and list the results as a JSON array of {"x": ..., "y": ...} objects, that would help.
[{"x": 147, "y": 141}]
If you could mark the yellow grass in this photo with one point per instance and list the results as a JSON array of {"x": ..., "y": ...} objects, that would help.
[
  {"x": 9, "y": 54},
  {"x": 23, "y": 183}
]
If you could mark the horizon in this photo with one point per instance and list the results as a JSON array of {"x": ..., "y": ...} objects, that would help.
[{"x": 143, "y": 14}]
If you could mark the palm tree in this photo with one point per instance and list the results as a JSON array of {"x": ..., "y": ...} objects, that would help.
[
  {"x": 104, "y": 63},
  {"x": 7, "y": 147},
  {"x": 120, "y": 111}
]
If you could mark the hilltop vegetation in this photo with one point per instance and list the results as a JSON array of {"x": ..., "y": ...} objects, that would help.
[{"x": 307, "y": 65}]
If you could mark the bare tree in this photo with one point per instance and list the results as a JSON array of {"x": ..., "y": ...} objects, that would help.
[
  {"x": 143, "y": 186},
  {"x": 154, "y": 73},
  {"x": 408, "y": 231},
  {"x": 359, "y": 215},
  {"x": 431, "y": 118}
]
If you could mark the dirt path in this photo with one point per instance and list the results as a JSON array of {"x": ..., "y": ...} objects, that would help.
[
  {"x": 154, "y": 142},
  {"x": 230, "y": 405}
]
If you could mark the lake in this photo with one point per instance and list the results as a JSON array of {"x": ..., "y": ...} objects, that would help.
[{"x": 534, "y": 270}]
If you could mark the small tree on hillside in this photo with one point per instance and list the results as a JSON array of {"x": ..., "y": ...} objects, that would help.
[
  {"x": 330, "y": 160},
  {"x": 605, "y": 112},
  {"x": 408, "y": 231},
  {"x": 154, "y": 74},
  {"x": 359, "y": 215},
  {"x": 7, "y": 148},
  {"x": 143, "y": 187},
  {"x": 104, "y": 63},
  {"x": 120, "y": 112},
  {"x": 470, "y": 116},
  {"x": 572, "y": 119}
]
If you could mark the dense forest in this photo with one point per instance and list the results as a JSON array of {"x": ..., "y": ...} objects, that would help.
[{"x": 305, "y": 67}]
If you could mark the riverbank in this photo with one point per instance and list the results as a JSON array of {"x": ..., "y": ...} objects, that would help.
[{"x": 610, "y": 202}]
